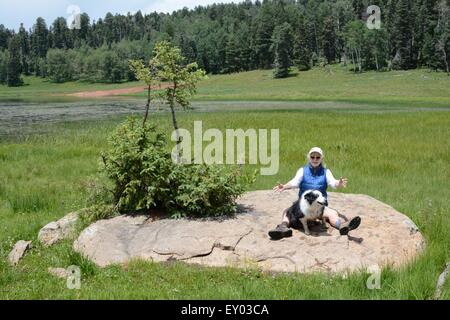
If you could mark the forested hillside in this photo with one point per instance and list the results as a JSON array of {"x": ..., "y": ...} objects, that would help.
[{"x": 226, "y": 38}]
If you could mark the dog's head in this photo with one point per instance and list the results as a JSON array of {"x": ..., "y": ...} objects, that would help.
[{"x": 314, "y": 196}]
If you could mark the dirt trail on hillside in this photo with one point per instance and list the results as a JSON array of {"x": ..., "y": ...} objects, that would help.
[{"x": 113, "y": 92}]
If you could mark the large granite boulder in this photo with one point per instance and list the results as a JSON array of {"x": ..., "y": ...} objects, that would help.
[{"x": 388, "y": 237}]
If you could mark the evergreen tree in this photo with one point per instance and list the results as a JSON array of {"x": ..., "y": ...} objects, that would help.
[
  {"x": 313, "y": 29},
  {"x": 358, "y": 8},
  {"x": 301, "y": 53},
  {"x": 244, "y": 43},
  {"x": 84, "y": 32},
  {"x": 232, "y": 55},
  {"x": 329, "y": 39},
  {"x": 388, "y": 22},
  {"x": 404, "y": 29},
  {"x": 60, "y": 34},
  {"x": 5, "y": 34},
  {"x": 424, "y": 36},
  {"x": 13, "y": 78},
  {"x": 204, "y": 48},
  {"x": 443, "y": 34},
  {"x": 24, "y": 41},
  {"x": 40, "y": 38},
  {"x": 343, "y": 15},
  {"x": 220, "y": 47},
  {"x": 109, "y": 31},
  {"x": 4, "y": 57},
  {"x": 168, "y": 28},
  {"x": 282, "y": 40},
  {"x": 263, "y": 41},
  {"x": 188, "y": 47}
]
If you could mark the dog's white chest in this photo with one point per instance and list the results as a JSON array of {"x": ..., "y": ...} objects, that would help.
[{"x": 311, "y": 212}]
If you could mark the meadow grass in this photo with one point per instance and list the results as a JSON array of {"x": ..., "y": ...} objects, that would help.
[
  {"x": 419, "y": 87},
  {"x": 400, "y": 158}
]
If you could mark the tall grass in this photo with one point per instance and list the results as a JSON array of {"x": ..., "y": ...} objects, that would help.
[{"x": 401, "y": 159}]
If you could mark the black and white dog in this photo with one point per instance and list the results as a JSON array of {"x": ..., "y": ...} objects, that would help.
[{"x": 308, "y": 207}]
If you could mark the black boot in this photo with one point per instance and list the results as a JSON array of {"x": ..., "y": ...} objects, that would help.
[
  {"x": 282, "y": 230},
  {"x": 349, "y": 226}
]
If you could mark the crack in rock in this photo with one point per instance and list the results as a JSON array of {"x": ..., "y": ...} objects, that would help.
[
  {"x": 216, "y": 244},
  {"x": 165, "y": 253},
  {"x": 240, "y": 239},
  {"x": 322, "y": 264},
  {"x": 275, "y": 257}
]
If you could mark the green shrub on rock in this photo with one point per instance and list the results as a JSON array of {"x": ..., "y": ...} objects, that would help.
[
  {"x": 140, "y": 166},
  {"x": 201, "y": 189}
]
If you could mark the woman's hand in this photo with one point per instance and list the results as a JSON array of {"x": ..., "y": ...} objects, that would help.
[
  {"x": 342, "y": 183},
  {"x": 280, "y": 187}
]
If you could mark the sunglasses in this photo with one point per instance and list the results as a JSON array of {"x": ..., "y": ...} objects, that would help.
[{"x": 314, "y": 158}]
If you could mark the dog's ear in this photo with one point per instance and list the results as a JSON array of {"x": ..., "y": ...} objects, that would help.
[{"x": 311, "y": 196}]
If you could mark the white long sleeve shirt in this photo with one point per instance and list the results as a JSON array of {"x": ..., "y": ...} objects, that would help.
[{"x": 295, "y": 182}]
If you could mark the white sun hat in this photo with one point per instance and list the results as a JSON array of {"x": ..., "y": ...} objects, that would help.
[{"x": 317, "y": 150}]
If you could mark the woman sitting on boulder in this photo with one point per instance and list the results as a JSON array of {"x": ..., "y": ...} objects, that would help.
[{"x": 314, "y": 176}]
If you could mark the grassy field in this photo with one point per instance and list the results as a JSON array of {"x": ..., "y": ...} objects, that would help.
[
  {"x": 413, "y": 88},
  {"x": 409, "y": 88},
  {"x": 400, "y": 158}
]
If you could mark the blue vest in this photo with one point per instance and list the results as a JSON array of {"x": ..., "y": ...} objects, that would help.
[{"x": 314, "y": 179}]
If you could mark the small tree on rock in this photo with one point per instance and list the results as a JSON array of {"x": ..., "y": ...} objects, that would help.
[
  {"x": 148, "y": 74},
  {"x": 181, "y": 78}
]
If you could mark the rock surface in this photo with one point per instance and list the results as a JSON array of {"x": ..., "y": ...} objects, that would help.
[
  {"x": 18, "y": 251},
  {"x": 58, "y": 230},
  {"x": 389, "y": 237}
]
